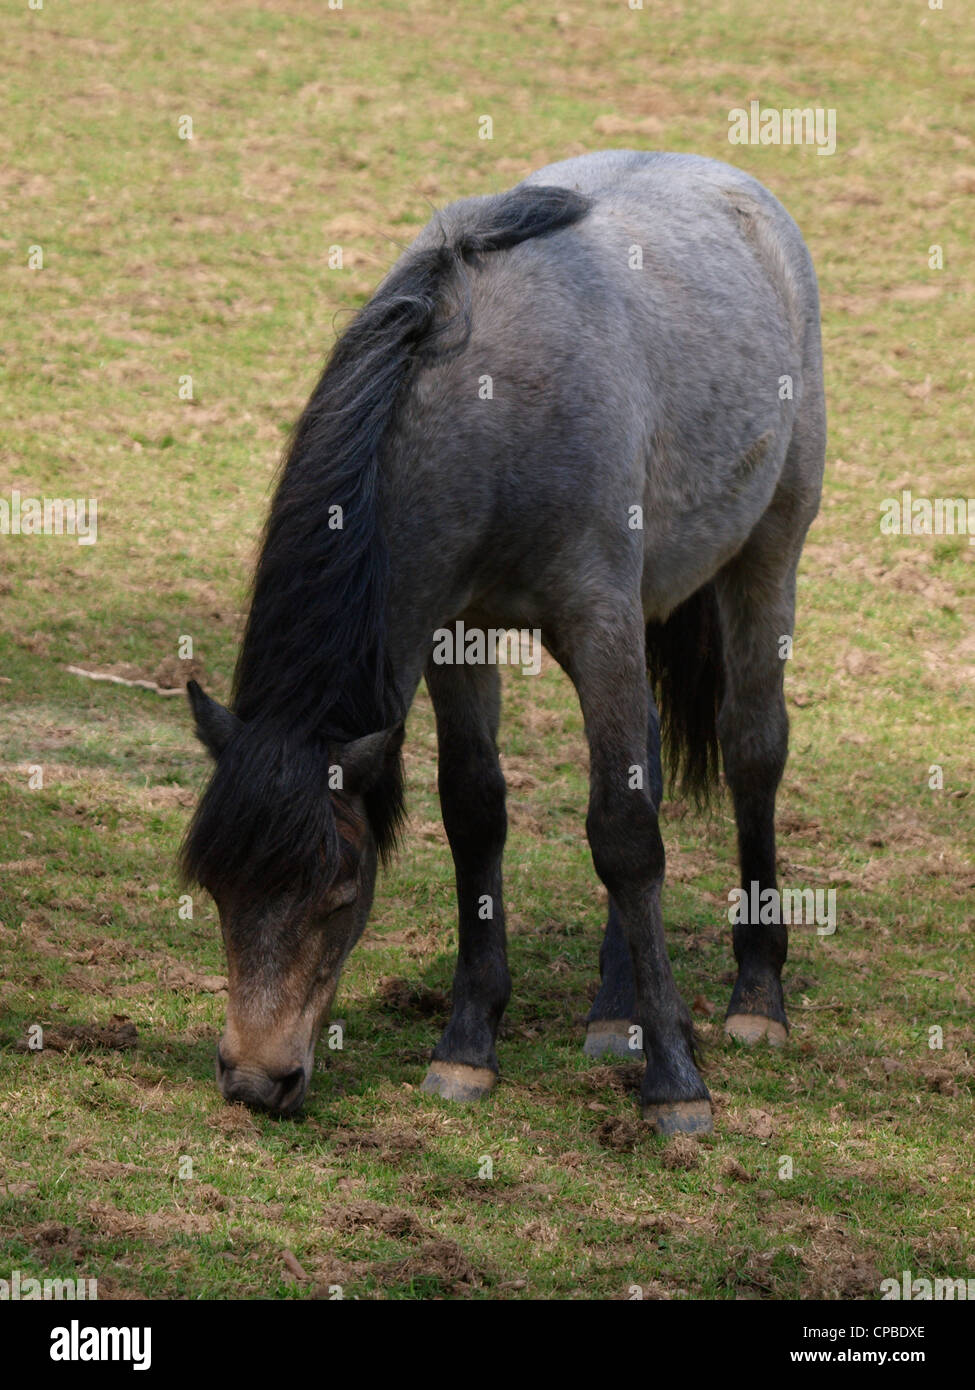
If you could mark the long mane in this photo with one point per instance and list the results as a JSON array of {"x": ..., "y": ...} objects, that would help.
[{"x": 313, "y": 669}]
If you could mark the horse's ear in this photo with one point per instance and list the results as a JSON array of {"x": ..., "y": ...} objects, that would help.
[
  {"x": 215, "y": 726},
  {"x": 365, "y": 760}
]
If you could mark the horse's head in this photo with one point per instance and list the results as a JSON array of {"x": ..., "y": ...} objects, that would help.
[{"x": 283, "y": 841}]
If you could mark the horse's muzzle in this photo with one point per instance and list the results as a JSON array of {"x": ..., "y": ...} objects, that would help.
[{"x": 280, "y": 1094}]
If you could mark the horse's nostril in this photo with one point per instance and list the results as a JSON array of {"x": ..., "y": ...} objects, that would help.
[
  {"x": 279, "y": 1092},
  {"x": 290, "y": 1081}
]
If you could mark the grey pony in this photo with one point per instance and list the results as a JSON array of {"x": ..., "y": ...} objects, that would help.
[{"x": 627, "y": 441}]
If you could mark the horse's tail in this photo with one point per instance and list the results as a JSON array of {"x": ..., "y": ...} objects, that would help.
[
  {"x": 686, "y": 666},
  {"x": 414, "y": 292},
  {"x": 501, "y": 220}
]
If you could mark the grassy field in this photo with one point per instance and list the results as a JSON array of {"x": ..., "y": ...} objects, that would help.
[{"x": 166, "y": 258}]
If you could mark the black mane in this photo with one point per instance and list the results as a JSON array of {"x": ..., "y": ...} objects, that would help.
[{"x": 312, "y": 670}]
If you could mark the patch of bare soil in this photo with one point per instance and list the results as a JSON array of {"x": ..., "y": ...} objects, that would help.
[
  {"x": 47, "y": 1238},
  {"x": 836, "y": 1267},
  {"x": 173, "y": 672},
  {"x": 360, "y": 1215},
  {"x": 522, "y": 1194},
  {"x": 430, "y": 830},
  {"x": 520, "y": 773},
  {"x": 835, "y": 1264},
  {"x": 98, "y": 950},
  {"x": 17, "y": 1189},
  {"x": 620, "y": 1134},
  {"x": 623, "y": 1078},
  {"x": 234, "y": 1119},
  {"x": 436, "y": 1258},
  {"x": 731, "y": 1168},
  {"x": 681, "y": 1153},
  {"x": 440, "y": 1260},
  {"x": 408, "y": 999},
  {"x": 110, "y": 1221},
  {"x": 542, "y": 1234},
  {"x": 389, "y": 1144},
  {"x": 180, "y": 977},
  {"x": 109, "y": 1168},
  {"x": 168, "y": 795},
  {"x": 754, "y": 1124},
  {"x": 118, "y": 1034},
  {"x": 418, "y": 941},
  {"x": 23, "y": 866},
  {"x": 331, "y": 1276},
  {"x": 86, "y": 982}
]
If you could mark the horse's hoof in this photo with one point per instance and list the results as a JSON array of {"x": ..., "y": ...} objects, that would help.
[
  {"x": 454, "y": 1081},
  {"x": 752, "y": 1028},
  {"x": 680, "y": 1117},
  {"x": 610, "y": 1037}
]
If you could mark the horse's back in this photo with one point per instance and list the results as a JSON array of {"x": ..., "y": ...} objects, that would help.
[
  {"x": 635, "y": 357},
  {"x": 675, "y": 190}
]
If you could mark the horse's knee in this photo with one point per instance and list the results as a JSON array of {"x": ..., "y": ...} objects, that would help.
[
  {"x": 754, "y": 751},
  {"x": 624, "y": 836},
  {"x": 472, "y": 794}
]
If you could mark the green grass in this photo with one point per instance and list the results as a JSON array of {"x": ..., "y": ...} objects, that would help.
[{"x": 209, "y": 257}]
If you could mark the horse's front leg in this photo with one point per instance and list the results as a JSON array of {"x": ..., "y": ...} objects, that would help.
[
  {"x": 607, "y": 665},
  {"x": 609, "y": 1025},
  {"x": 466, "y": 701}
]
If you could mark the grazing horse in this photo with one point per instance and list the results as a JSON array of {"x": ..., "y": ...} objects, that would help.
[{"x": 589, "y": 407}]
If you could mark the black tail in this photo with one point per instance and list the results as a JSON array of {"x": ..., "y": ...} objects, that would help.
[
  {"x": 505, "y": 219},
  {"x": 686, "y": 666}
]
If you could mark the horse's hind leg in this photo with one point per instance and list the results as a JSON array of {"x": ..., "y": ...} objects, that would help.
[
  {"x": 466, "y": 700},
  {"x": 609, "y": 1024},
  {"x": 756, "y": 603},
  {"x": 607, "y": 664}
]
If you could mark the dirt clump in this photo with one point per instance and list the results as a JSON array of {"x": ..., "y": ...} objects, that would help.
[{"x": 118, "y": 1034}]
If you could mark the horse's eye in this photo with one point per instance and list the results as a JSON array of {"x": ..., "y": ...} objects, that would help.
[{"x": 341, "y": 895}]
